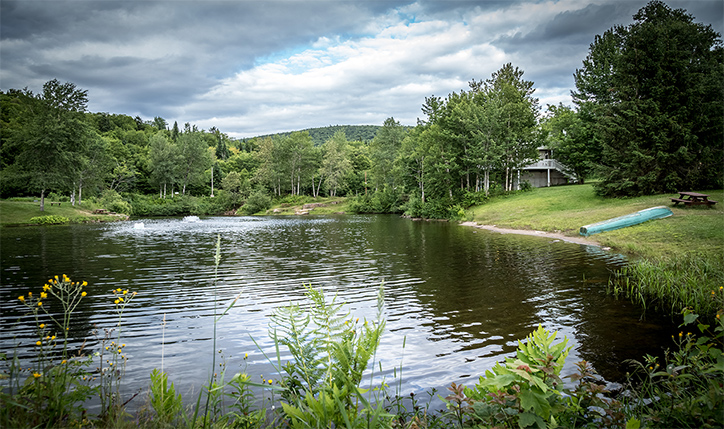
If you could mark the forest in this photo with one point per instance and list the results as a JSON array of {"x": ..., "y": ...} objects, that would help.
[{"x": 646, "y": 119}]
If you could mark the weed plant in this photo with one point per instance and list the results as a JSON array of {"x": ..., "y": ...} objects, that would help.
[{"x": 56, "y": 383}]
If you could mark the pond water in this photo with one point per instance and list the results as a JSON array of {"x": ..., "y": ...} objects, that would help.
[{"x": 458, "y": 298}]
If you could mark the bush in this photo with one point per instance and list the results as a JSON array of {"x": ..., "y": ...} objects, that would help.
[
  {"x": 257, "y": 202},
  {"x": 49, "y": 220},
  {"x": 388, "y": 200},
  {"x": 112, "y": 200}
]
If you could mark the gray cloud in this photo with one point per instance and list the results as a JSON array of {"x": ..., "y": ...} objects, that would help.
[{"x": 254, "y": 67}]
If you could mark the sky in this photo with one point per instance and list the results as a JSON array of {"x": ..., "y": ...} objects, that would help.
[{"x": 252, "y": 68}]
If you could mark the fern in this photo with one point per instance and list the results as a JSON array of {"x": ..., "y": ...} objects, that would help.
[{"x": 330, "y": 352}]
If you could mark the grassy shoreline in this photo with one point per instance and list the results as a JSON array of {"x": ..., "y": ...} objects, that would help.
[{"x": 20, "y": 213}]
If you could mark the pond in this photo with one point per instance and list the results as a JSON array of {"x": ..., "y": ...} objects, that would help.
[{"x": 458, "y": 298}]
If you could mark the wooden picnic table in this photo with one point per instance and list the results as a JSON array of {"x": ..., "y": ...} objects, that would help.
[
  {"x": 100, "y": 211},
  {"x": 693, "y": 199},
  {"x": 54, "y": 203}
]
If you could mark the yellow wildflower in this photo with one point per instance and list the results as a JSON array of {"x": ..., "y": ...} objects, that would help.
[
  {"x": 85, "y": 283},
  {"x": 53, "y": 337},
  {"x": 30, "y": 294},
  {"x": 116, "y": 301},
  {"x": 43, "y": 295},
  {"x": 40, "y": 303},
  {"x": 36, "y": 375},
  {"x": 21, "y": 298},
  {"x": 64, "y": 361},
  {"x": 46, "y": 287},
  {"x": 83, "y": 293},
  {"x": 270, "y": 381},
  {"x": 37, "y": 343},
  {"x": 125, "y": 291},
  {"x": 42, "y": 326}
]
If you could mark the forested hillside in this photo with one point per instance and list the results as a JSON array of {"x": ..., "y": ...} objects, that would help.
[
  {"x": 642, "y": 126},
  {"x": 363, "y": 133}
]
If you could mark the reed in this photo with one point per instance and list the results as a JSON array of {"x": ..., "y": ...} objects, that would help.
[{"x": 692, "y": 281}]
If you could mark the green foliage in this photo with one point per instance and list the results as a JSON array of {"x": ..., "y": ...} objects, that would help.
[
  {"x": 687, "y": 390},
  {"x": 329, "y": 353},
  {"x": 652, "y": 91},
  {"x": 691, "y": 281},
  {"x": 164, "y": 400},
  {"x": 56, "y": 385},
  {"x": 49, "y": 220},
  {"x": 364, "y": 133},
  {"x": 257, "y": 202},
  {"x": 525, "y": 390},
  {"x": 388, "y": 200},
  {"x": 112, "y": 200}
]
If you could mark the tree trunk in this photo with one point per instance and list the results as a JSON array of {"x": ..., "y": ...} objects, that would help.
[{"x": 42, "y": 200}]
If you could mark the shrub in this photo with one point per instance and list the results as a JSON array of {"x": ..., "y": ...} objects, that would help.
[
  {"x": 687, "y": 390},
  {"x": 49, "y": 220},
  {"x": 257, "y": 202},
  {"x": 112, "y": 200}
]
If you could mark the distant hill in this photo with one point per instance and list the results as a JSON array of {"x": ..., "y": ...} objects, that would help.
[{"x": 320, "y": 135}]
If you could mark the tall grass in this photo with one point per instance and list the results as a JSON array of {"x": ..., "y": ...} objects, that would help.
[{"x": 693, "y": 281}]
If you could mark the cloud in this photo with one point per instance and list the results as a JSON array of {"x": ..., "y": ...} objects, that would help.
[{"x": 256, "y": 67}]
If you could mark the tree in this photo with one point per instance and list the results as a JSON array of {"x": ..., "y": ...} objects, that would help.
[
  {"x": 335, "y": 164},
  {"x": 516, "y": 111},
  {"x": 52, "y": 135},
  {"x": 165, "y": 160},
  {"x": 655, "y": 95},
  {"x": 572, "y": 140},
  {"x": 383, "y": 152},
  {"x": 194, "y": 157}
]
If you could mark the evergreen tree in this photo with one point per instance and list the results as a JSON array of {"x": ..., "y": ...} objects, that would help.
[{"x": 654, "y": 90}]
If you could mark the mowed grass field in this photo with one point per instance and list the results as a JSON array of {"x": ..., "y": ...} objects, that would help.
[
  {"x": 20, "y": 212},
  {"x": 691, "y": 230}
]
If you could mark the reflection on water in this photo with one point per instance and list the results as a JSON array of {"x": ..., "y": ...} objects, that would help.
[{"x": 459, "y": 298}]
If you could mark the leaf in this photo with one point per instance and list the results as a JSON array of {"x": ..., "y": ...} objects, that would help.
[
  {"x": 535, "y": 401},
  {"x": 689, "y": 318},
  {"x": 633, "y": 424}
]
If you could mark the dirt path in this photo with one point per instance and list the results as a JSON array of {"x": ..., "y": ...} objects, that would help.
[{"x": 555, "y": 235}]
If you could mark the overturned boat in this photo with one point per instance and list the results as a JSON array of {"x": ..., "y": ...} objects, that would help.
[{"x": 641, "y": 216}]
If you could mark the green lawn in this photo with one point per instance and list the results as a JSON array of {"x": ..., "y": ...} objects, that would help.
[
  {"x": 567, "y": 208},
  {"x": 20, "y": 212}
]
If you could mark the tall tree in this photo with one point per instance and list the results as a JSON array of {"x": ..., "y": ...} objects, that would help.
[
  {"x": 165, "y": 160},
  {"x": 655, "y": 93},
  {"x": 383, "y": 152},
  {"x": 517, "y": 112},
  {"x": 335, "y": 164},
  {"x": 194, "y": 157},
  {"x": 52, "y": 135}
]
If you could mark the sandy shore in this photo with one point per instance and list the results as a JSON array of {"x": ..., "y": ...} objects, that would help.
[{"x": 553, "y": 235}]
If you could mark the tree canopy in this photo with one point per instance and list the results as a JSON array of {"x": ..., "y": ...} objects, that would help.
[{"x": 654, "y": 91}]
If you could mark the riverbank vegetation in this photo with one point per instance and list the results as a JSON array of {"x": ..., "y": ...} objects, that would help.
[{"x": 329, "y": 378}]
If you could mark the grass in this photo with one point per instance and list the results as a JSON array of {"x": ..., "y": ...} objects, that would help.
[
  {"x": 691, "y": 230},
  {"x": 292, "y": 206},
  {"x": 20, "y": 212},
  {"x": 678, "y": 262}
]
